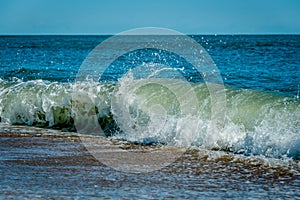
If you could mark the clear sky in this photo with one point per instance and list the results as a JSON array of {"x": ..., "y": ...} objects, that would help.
[{"x": 113, "y": 16}]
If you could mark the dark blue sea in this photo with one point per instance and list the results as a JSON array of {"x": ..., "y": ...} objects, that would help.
[{"x": 239, "y": 118}]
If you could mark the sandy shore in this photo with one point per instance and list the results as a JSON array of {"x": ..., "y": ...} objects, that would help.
[{"x": 40, "y": 166}]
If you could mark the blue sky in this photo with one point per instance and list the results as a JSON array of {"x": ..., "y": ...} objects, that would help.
[{"x": 113, "y": 16}]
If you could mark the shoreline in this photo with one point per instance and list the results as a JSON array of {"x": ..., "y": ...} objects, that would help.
[{"x": 46, "y": 166}]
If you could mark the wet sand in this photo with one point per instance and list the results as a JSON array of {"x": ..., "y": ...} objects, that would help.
[{"x": 37, "y": 165}]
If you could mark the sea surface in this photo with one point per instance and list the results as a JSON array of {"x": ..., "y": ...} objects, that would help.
[{"x": 152, "y": 103}]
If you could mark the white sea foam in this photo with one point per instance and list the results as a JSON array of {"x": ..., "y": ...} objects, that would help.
[{"x": 159, "y": 111}]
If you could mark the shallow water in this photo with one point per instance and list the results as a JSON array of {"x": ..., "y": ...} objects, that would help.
[{"x": 48, "y": 165}]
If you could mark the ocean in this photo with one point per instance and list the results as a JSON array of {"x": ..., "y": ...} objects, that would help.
[{"x": 145, "y": 122}]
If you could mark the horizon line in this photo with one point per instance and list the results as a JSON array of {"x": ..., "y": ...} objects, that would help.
[{"x": 111, "y": 34}]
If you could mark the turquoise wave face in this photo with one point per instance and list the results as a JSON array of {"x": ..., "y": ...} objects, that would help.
[{"x": 163, "y": 111}]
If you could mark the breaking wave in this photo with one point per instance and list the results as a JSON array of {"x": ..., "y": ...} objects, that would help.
[{"x": 164, "y": 111}]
